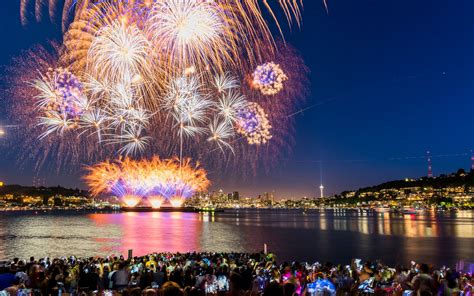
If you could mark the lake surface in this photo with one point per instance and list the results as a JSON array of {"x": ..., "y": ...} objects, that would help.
[{"x": 329, "y": 235}]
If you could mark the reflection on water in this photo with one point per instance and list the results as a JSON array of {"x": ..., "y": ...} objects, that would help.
[{"x": 325, "y": 235}]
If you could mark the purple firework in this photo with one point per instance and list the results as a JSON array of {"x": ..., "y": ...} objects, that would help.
[
  {"x": 253, "y": 124},
  {"x": 269, "y": 78},
  {"x": 69, "y": 91}
]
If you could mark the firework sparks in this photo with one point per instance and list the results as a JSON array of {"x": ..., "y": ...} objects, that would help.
[
  {"x": 289, "y": 7},
  {"x": 95, "y": 121},
  {"x": 55, "y": 123},
  {"x": 229, "y": 104},
  {"x": 156, "y": 201},
  {"x": 131, "y": 200},
  {"x": 225, "y": 82},
  {"x": 220, "y": 132},
  {"x": 131, "y": 139},
  {"x": 269, "y": 78},
  {"x": 60, "y": 92},
  {"x": 119, "y": 50},
  {"x": 186, "y": 28},
  {"x": 148, "y": 77},
  {"x": 160, "y": 180},
  {"x": 253, "y": 124},
  {"x": 187, "y": 105}
]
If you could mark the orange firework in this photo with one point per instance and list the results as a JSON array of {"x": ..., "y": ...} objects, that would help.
[{"x": 156, "y": 179}]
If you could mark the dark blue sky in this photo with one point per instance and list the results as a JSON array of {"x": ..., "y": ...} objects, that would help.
[{"x": 393, "y": 79}]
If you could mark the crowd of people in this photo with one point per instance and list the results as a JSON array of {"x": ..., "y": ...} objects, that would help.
[{"x": 233, "y": 274}]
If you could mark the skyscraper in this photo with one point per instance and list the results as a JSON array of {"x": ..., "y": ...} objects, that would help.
[{"x": 236, "y": 196}]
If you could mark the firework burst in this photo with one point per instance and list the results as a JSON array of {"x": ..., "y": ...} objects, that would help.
[
  {"x": 144, "y": 77},
  {"x": 253, "y": 124},
  {"x": 119, "y": 50},
  {"x": 220, "y": 132},
  {"x": 157, "y": 179},
  {"x": 269, "y": 78},
  {"x": 185, "y": 29},
  {"x": 229, "y": 104},
  {"x": 60, "y": 92}
]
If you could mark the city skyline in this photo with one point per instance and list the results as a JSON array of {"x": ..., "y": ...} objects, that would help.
[{"x": 369, "y": 118}]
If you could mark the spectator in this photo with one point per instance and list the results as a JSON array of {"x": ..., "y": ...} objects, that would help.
[{"x": 223, "y": 274}]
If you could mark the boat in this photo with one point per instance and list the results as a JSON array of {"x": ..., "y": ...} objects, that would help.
[
  {"x": 162, "y": 209},
  {"x": 171, "y": 209},
  {"x": 382, "y": 209},
  {"x": 209, "y": 210},
  {"x": 409, "y": 211}
]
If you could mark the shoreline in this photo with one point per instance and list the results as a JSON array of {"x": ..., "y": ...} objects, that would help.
[{"x": 220, "y": 210}]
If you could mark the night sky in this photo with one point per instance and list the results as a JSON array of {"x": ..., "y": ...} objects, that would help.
[{"x": 390, "y": 80}]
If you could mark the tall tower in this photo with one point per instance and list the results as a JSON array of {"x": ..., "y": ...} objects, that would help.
[
  {"x": 321, "y": 187},
  {"x": 430, "y": 168}
]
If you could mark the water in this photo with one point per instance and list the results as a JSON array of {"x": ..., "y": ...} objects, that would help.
[{"x": 335, "y": 236}]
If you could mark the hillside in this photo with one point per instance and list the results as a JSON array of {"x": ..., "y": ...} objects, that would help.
[
  {"x": 41, "y": 191},
  {"x": 460, "y": 178}
]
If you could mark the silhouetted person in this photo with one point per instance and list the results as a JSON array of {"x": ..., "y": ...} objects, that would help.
[
  {"x": 171, "y": 289},
  {"x": 423, "y": 283},
  {"x": 273, "y": 289}
]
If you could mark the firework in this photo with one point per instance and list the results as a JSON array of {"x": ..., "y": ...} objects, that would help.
[
  {"x": 94, "y": 122},
  {"x": 184, "y": 29},
  {"x": 144, "y": 77},
  {"x": 55, "y": 123},
  {"x": 204, "y": 35},
  {"x": 229, "y": 104},
  {"x": 225, "y": 82},
  {"x": 131, "y": 200},
  {"x": 75, "y": 7},
  {"x": 156, "y": 201},
  {"x": 268, "y": 78},
  {"x": 253, "y": 124},
  {"x": 60, "y": 101},
  {"x": 220, "y": 132},
  {"x": 160, "y": 180},
  {"x": 188, "y": 106},
  {"x": 177, "y": 201},
  {"x": 60, "y": 92},
  {"x": 244, "y": 15},
  {"x": 131, "y": 139},
  {"x": 117, "y": 51}
]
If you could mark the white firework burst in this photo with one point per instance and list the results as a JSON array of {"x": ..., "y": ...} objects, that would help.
[
  {"x": 55, "y": 123},
  {"x": 186, "y": 29},
  {"x": 180, "y": 90},
  {"x": 229, "y": 104},
  {"x": 225, "y": 82},
  {"x": 131, "y": 140},
  {"x": 94, "y": 120},
  {"x": 97, "y": 88},
  {"x": 119, "y": 50},
  {"x": 188, "y": 106},
  {"x": 220, "y": 132},
  {"x": 46, "y": 93}
]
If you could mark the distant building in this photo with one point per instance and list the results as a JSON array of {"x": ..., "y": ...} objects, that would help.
[{"x": 235, "y": 196}]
